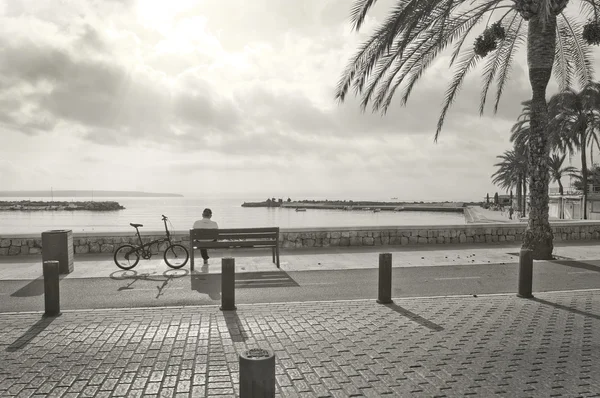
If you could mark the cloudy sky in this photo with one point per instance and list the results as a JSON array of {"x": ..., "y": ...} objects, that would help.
[{"x": 226, "y": 97}]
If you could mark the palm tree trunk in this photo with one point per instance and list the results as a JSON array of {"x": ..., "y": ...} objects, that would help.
[
  {"x": 561, "y": 206},
  {"x": 541, "y": 44},
  {"x": 584, "y": 175},
  {"x": 524, "y": 197},
  {"x": 519, "y": 192}
]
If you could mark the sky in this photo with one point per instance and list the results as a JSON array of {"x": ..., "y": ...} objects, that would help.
[{"x": 231, "y": 98}]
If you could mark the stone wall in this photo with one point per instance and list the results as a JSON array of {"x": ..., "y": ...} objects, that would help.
[{"x": 329, "y": 237}]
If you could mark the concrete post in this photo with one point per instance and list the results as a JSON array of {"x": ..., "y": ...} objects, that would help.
[
  {"x": 51, "y": 288},
  {"x": 257, "y": 374},
  {"x": 385, "y": 278},
  {"x": 228, "y": 284},
  {"x": 525, "y": 273}
]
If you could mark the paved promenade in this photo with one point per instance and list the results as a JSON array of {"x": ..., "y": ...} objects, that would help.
[
  {"x": 428, "y": 347},
  {"x": 454, "y": 346}
]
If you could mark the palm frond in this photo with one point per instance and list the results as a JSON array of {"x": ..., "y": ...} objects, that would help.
[
  {"x": 468, "y": 62},
  {"x": 414, "y": 56},
  {"x": 579, "y": 51},
  {"x": 562, "y": 68},
  {"x": 506, "y": 67},
  {"x": 359, "y": 12}
]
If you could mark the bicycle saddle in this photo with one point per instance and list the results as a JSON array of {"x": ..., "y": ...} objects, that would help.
[{"x": 136, "y": 225}]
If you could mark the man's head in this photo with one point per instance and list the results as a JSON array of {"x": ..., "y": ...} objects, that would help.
[{"x": 207, "y": 213}]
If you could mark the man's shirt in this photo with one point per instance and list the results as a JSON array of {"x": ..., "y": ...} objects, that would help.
[{"x": 206, "y": 223}]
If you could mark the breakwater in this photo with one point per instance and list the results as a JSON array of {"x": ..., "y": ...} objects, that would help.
[
  {"x": 298, "y": 238},
  {"x": 36, "y": 205},
  {"x": 457, "y": 207}
]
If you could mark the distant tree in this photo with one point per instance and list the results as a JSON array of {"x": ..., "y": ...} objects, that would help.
[
  {"x": 289, "y": 200},
  {"x": 280, "y": 200},
  {"x": 557, "y": 171},
  {"x": 268, "y": 200},
  {"x": 496, "y": 200},
  {"x": 487, "y": 199}
]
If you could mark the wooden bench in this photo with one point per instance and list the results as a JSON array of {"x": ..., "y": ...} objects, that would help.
[{"x": 232, "y": 238}]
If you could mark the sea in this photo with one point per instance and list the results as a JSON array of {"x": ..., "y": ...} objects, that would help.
[{"x": 183, "y": 211}]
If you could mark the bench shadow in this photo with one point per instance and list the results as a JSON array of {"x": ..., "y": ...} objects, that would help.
[
  {"x": 205, "y": 283},
  {"x": 414, "y": 317},
  {"x": 264, "y": 279},
  {"x": 235, "y": 327},
  {"x": 30, "y": 334},
  {"x": 577, "y": 264},
  {"x": 33, "y": 288},
  {"x": 564, "y": 307}
]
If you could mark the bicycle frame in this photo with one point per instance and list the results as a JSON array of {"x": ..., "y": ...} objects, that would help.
[{"x": 144, "y": 248}]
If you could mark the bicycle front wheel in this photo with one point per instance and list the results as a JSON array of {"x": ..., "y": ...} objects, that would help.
[
  {"x": 176, "y": 256},
  {"x": 126, "y": 257}
]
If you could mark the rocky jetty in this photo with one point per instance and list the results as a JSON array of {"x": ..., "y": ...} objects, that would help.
[{"x": 28, "y": 205}]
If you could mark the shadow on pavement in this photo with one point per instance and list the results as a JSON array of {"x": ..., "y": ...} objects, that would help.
[
  {"x": 564, "y": 307},
  {"x": 414, "y": 317},
  {"x": 33, "y": 288},
  {"x": 235, "y": 327},
  {"x": 264, "y": 279},
  {"x": 30, "y": 334},
  {"x": 577, "y": 264},
  {"x": 209, "y": 284}
]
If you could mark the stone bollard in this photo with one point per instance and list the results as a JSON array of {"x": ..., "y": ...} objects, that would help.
[
  {"x": 257, "y": 374},
  {"x": 228, "y": 284},
  {"x": 385, "y": 278},
  {"x": 525, "y": 273},
  {"x": 51, "y": 288}
]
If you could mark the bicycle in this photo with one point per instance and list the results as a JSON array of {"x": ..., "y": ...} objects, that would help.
[{"x": 127, "y": 256}]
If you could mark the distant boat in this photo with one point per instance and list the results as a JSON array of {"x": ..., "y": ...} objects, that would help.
[
  {"x": 300, "y": 209},
  {"x": 376, "y": 210},
  {"x": 394, "y": 198},
  {"x": 399, "y": 208}
]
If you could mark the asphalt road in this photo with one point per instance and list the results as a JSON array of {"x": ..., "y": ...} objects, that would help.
[{"x": 127, "y": 289}]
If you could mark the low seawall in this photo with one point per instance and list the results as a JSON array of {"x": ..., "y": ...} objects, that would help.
[{"x": 292, "y": 238}]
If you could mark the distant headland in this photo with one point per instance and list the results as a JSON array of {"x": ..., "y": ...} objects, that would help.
[{"x": 86, "y": 193}]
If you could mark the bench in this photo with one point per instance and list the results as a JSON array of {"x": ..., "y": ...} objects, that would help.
[{"x": 232, "y": 238}]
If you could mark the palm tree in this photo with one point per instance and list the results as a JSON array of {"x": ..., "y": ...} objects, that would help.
[
  {"x": 512, "y": 171},
  {"x": 557, "y": 171},
  {"x": 415, "y": 33},
  {"x": 577, "y": 116}
]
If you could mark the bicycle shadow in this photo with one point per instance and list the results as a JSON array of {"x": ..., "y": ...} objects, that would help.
[{"x": 132, "y": 277}]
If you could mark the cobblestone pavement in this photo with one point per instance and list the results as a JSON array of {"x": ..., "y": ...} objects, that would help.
[{"x": 497, "y": 345}]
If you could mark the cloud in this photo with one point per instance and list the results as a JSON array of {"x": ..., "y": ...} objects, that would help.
[{"x": 244, "y": 89}]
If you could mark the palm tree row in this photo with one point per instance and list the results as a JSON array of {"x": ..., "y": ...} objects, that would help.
[
  {"x": 573, "y": 122},
  {"x": 405, "y": 45}
]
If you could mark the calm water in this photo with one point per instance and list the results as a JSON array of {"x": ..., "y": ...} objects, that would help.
[{"x": 182, "y": 213}]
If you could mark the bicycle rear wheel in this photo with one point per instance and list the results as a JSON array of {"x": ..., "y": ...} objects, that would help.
[
  {"x": 126, "y": 257},
  {"x": 176, "y": 256}
]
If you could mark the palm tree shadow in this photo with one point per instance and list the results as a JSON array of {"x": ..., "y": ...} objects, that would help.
[
  {"x": 30, "y": 334},
  {"x": 205, "y": 283}
]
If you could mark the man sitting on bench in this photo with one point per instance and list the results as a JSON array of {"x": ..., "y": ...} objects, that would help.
[{"x": 205, "y": 223}]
